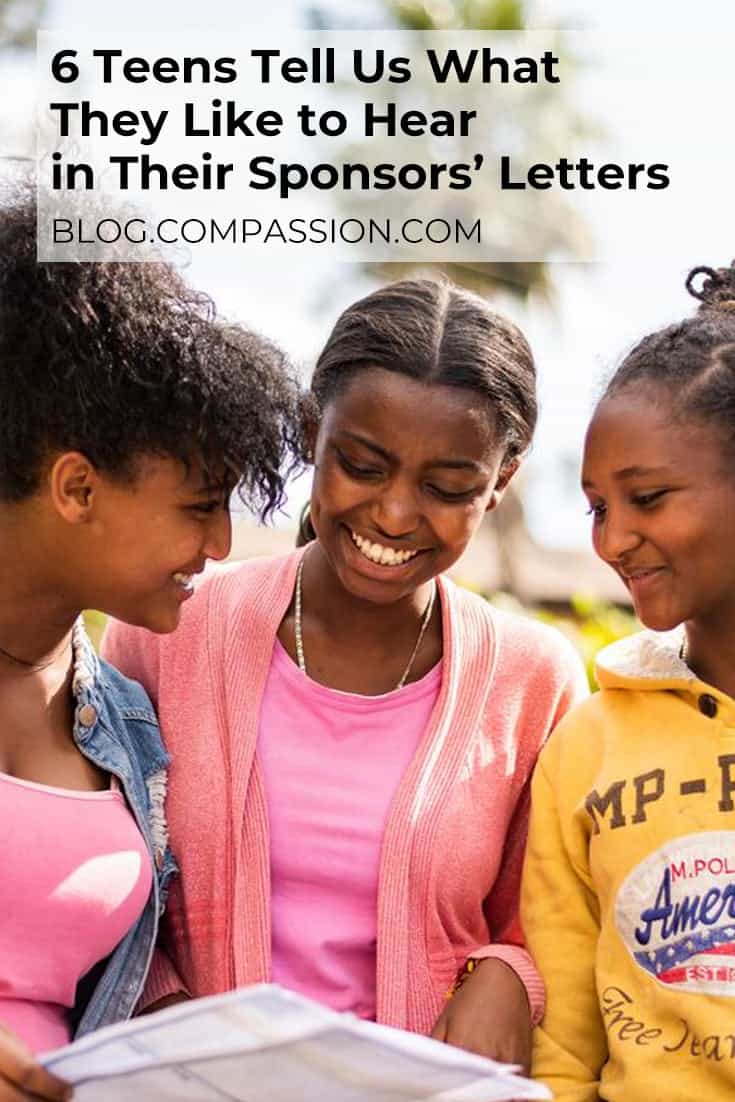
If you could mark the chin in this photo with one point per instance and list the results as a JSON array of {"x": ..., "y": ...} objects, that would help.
[
  {"x": 163, "y": 625},
  {"x": 657, "y": 619},
  {"x": 160, "y": 622}
]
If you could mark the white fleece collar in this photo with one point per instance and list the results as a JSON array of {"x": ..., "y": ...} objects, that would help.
[{"x": 647, "y": 655}]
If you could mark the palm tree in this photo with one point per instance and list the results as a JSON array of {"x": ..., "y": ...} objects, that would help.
[{"x": 19, "y": 20}]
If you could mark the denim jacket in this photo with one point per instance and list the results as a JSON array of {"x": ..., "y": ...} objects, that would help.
[{"x": 115, "y": 727}]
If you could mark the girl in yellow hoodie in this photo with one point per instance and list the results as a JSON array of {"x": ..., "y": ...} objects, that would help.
[{"x": 629, "y": 885}]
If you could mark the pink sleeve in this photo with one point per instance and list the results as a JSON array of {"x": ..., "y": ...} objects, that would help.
[
  {"x": 503, "y": 903},
  {"x": 502, "y": 913}
]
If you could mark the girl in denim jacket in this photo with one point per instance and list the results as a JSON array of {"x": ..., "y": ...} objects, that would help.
[{"x": 127, "y": 416}]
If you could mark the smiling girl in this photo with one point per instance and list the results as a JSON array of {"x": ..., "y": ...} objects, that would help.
[
  {"x": 126, "y": 416},
  {"x": 349, "y": 791},
  {"x": 629, "y": 888}
]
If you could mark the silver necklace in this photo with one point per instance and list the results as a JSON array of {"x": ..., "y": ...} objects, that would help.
[
  {"x": 31, "y": 667},
  {"x": 299, "y": 631}
]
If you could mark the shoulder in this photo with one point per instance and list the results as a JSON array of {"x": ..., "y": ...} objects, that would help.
[
  {"x": 247, "y": 592},
  {"x": 527, "y": 673},
  {"x": 254, "y": 581},
  {"x": 124, "y": 693},
  {"x": 130, "y": 718},
  {"x": 524, "y": 648},
  {"x": 524, "y": 642},
  {"x": 584, "y": 737}
]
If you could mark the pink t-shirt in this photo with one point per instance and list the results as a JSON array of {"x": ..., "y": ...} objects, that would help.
[
  {"x": 332, "y": 762},
  {"x": 76, "y": 876}
]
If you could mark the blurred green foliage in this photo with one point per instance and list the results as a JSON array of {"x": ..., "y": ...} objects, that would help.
[
  {"x": 590, "y": 624},
  {"x": 553, "y": 119},
  {"x": 95, "y": 622},
  {"x": 477, "y": 15}
]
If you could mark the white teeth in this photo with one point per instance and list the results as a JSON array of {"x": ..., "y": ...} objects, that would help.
[
  {"x": 183, "y": 579},
  {"x": 378, "y": 553}
]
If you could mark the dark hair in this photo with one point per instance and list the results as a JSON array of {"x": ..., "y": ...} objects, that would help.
[
  {"x": 437, "y": 333},
  {"x": 116, "y": 360},
  {"x": 694, "y": 359}
]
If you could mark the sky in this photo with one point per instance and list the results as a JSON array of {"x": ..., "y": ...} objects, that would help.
[{"x": 598, "y": 311}]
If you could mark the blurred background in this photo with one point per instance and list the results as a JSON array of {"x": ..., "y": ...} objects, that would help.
[{"x": 580, "y": 318}]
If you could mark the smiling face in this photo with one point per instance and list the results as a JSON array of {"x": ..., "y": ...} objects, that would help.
[
  {"x": 662, "y": 497},
  {"x": 404, "y": 472},
  {"x": 139, "y": 545}
]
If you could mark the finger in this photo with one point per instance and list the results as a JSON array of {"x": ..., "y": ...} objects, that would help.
[
  {"x": 22, "y": 1073},
  {"x": 439, "y": 1032},
  {"x": 11, "y": 1093}
]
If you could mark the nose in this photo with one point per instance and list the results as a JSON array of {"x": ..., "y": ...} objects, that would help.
[
  {"x": 218, "y": 539},
  {"x": 395, "y": 510},
  {"x": 616, "y": 535}
]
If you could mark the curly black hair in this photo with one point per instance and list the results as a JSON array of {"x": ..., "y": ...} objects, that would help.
[
  {"x": 694, "y": 359},
  {"x": 117, "y": 360}
]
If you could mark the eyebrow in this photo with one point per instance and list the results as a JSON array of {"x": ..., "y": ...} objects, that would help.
[
  {"x": 452, "y": 464},
  {"x": 631, "y": 472},
  {"x": 208, "y": 488}
]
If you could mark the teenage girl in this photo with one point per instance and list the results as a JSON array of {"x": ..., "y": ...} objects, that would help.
[
  {"x": 629, "y": 889},
  {"x": 349, "y": 792},
  {"x": 126, "y": 416}
]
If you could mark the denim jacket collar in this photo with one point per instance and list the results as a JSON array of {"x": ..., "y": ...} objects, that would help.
[
  {"x": 99, "y": 715},
  {"x": 116, "y": 727}
]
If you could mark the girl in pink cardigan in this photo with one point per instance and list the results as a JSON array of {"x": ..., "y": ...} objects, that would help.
[{"x": 352, "y": 735}]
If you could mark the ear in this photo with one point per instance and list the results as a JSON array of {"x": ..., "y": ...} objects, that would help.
[
  {"x": 505, "y": 474},
  {"x": 73, "y": 482}
]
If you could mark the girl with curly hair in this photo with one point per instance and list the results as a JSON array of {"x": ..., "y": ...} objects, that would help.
[
  {"x": 128, "y": 413},
  {"x": 350, "y": 785},
  {"x": 629, "y": 888}
]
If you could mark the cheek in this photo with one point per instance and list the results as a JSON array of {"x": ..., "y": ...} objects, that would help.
[
  {"x": 457, "y": 524},
  {"x": 333, "y": 492},
  {"x": 596, "y": 537}
]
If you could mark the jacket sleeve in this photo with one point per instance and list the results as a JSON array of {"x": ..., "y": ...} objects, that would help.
[
  {"x": 561, "y": 921},
  {"x": 136, "y": 654},
  {"x": 502, "y": 905}
]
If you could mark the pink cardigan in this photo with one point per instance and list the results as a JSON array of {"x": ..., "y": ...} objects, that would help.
[{"x": 453, "y": 845}]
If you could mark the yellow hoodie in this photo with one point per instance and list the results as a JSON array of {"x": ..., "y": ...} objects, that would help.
[{"x": 629, "y": 885}]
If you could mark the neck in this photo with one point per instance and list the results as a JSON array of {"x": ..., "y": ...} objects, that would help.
[
  {"x": 711, "y": 653},
  {"x": 36, "y": 615},
  {"x": 347, "y": 617}
]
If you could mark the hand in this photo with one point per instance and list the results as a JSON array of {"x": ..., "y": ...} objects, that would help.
[
  {"x": 489, "y": 1015},
  {"x": 21, "y": 1077}
]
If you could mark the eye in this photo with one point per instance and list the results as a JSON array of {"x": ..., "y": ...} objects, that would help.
[
  {"x": 597, "y": 510},
  {"x": 207, "y": 507},
  {"x": 355, "y": 469},
  {"x": 450, "y": 495},
  {"x": 645, "y": 500}
]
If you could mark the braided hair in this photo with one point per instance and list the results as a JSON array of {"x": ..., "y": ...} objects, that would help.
[
  {"x": 436, "y": 333},
  {"x": 694, "y": 359}
]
